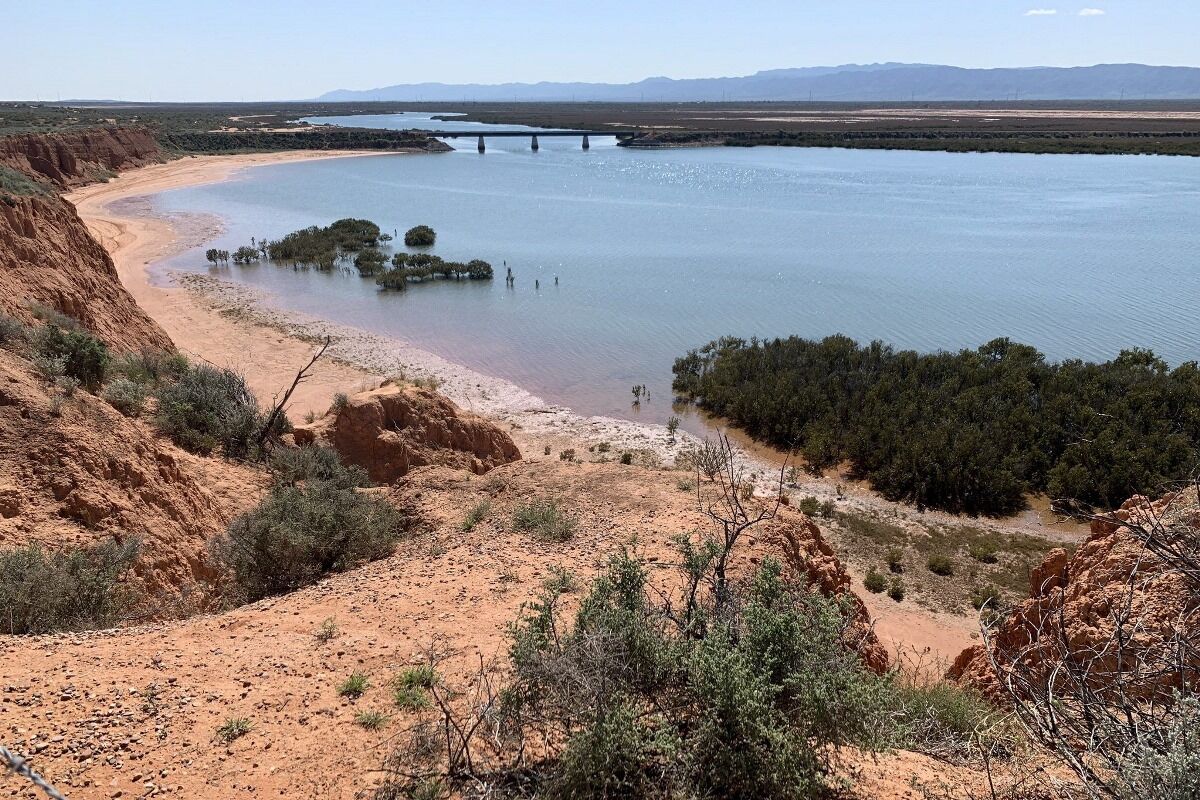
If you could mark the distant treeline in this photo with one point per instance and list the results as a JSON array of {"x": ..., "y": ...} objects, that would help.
[
  {"x": 1094, "y": 143},
  {"x": 320, "y": 138},
  {"x": 972, "y": 431}
]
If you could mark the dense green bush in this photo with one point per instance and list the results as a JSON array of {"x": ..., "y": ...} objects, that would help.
[
  {"x": 940, "y": 564},
  {"x": 369, "y": 262},
  {"x": 84, "y": 357},
  {"x": 420, "y": 236},
  {"x": 209, "y": 407},
  {"x": 971, "y": 431},
  {"x": 874, "y": 581},
  {"x": 322, "y": 247},
  {"x": 69, "y": 590},
  {"x": 421, "y": 267},
  {"x": 746, "y": 709},
  {"x": 302, "y": 532}
]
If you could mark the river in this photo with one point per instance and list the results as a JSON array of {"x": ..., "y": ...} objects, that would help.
[{"x": 640, "y": 255}]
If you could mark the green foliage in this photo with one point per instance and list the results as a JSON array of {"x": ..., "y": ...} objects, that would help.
[
  {"x": 896, "y": 589},
  {"x": 626, "y": 458},
  {"x": 477, "y": 514},
  {"x": 209, "y": 407},
  {"x": 83, "y": 356},
  {"x": 322, "y": 247},
  {"x": 234, "y": 728},
  {"x": 326, "y": 630},
  {"x": 810, "y": 506},
  {"x": 410, "y": 689},
  {"x": 369, "y": 262},
  {"x": 1170, "y": 771},
  {"x": 68, "y": 590},
  {"x": 14, "y": 183},
  {"x": 945, "y": 719},
  {"x": 150, "y": 367},
  {"x": 420, "y": 236},
  {"x": 985, "y": 552},
  {"x": 744, "y": 705},
  {"x": 972, "y": 431},
  {"x": 302, "y": 532},
  {"x": 245, "y": 255},
  {"x": 354, "y": 687},
  {"x": 371, "y": 720},
  {"x": 874, "y": 581},
  {"x": 125, "y": 396},
  {"x": 546, "y": 519},
  {"x": 421, "y": 267},
  {"x": 895, "y": 560},
  {"x": 940, "y": 564},
  {"x": 293, "y": 465},
  {"x": 13, "y": 332}
]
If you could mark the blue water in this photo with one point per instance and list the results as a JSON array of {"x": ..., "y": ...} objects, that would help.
[{"x": 661, "y": 251}]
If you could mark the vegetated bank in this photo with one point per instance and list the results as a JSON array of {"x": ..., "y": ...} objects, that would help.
[
  {"x": 362, "y": 243},
  {"x": 1181, "y": 143},
  {"x": 973, "y": 431}
]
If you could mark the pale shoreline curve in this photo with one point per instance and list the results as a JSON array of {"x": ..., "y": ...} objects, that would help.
[{"x": 229, "y": 324}]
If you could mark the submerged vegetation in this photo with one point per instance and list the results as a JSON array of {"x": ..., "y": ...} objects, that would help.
[
  {"x": 360, "y": 242},
  {"x": 972, "y": 431}
]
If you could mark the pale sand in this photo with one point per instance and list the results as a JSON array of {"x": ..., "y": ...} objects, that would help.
[{"x": 229, "y": 324}]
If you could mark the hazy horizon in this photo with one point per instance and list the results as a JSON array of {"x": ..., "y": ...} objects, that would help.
[{"x": 139, "y": 50}]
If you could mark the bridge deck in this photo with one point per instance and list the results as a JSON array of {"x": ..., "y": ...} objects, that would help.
[{"x": 491, "y": 134}]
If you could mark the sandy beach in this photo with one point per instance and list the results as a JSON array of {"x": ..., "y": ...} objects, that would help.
[{"x": 228, "y": 324}]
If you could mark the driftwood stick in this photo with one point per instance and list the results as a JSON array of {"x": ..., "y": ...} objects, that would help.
[{"x": 278, "y": 407}]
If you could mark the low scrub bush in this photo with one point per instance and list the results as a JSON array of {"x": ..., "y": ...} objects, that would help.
[
  {"x": 477, "y": 514},
  {"x": 69, "y": 590},
  {"x": 294, "y": 465},
  {"x": 126, "y": 396},
  {"x": 546, "y": 519},
  {"x": 300, "y": 533},
  {"x": 371, "y": 720},
  {"x": 896, "y": 589},
  {"x": 895, "y": 560},
  {"x": 940, "y": 564},
  {"x": 354, "y": 687},
  {"x": 83, "y": 357},
  {"x": 810, "y": 506},
  {"x": 874, "y": 582},
  {"x": 13, "y": 332},
  {"x": 209, "y": 407},
  {"x": 949, "y": 721},
  {"x": 234, "y": 728},
  {"x": 150, "y": 367}
]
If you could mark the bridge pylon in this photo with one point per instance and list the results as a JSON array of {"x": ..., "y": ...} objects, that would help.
[
  {"x": 586, "y": 144},
  {"x": 481, "y": 145},
  {"x": 534, "y": 145}
]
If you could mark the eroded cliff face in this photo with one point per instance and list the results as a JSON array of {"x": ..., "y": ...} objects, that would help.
[
  {"x": 79, "y": 157},
  {"x": 1077, "y": 601},
  {"x": 73, "y": 471},
  {"x": 48, "y": 257}
]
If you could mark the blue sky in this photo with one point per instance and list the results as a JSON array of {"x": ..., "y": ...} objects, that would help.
[{"x": 276, "y": 49}]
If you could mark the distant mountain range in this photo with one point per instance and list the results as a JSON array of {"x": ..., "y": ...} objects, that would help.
[{"x": 851, "y": 82}]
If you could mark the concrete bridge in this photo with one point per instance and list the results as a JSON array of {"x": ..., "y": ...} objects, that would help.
[{"x": 533, "y": 144}]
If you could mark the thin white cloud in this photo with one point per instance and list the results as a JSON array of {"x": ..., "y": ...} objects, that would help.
[
  {"x": 1041, "y": 12},
  {"x": 1092, "y": 12}
]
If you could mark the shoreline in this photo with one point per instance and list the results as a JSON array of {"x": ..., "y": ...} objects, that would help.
[{"x": 232, "y": 325}]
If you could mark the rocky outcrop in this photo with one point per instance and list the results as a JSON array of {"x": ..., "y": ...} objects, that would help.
[
  {"x": 47, "y": 256},
  {"x": 1076, "y": 598},
  {"x": 390, "y": 430},
  {"x": 74, "y": 471},
  {"x": 79, "y": 157}
]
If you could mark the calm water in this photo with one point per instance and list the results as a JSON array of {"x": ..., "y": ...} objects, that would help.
[{"x": 661, "y": 251}]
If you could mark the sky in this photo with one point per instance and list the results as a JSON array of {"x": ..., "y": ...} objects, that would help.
[{"x": 296, "y": 49}]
